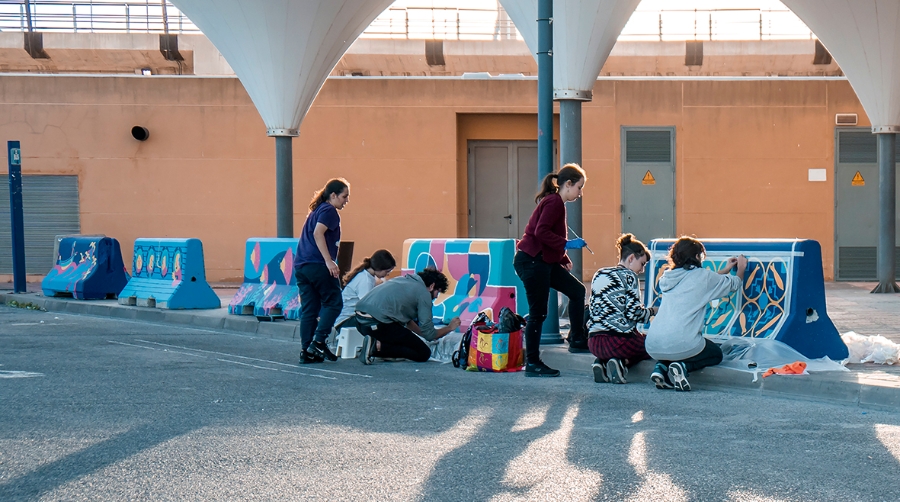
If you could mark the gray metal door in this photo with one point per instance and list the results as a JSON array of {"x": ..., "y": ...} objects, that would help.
[
  {"x": 51, "y": 208},
  {"x": 648, "y": 182},
  {"x": 502, "y": 183},
  {"x": 856, "y": 204}
]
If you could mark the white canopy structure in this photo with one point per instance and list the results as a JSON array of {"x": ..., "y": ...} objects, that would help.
[
  {"x": 584, "y": 33},
  {"x": 864, "y": 38},
  {"x": 282, "y": 51}
]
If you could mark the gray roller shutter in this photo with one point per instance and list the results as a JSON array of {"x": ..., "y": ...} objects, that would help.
[{"x": 51, "y": 208}]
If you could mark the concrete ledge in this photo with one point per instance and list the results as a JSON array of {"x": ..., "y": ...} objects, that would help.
[
  {"x": 241, "y": 323},
  {"x": 847, "y": 388},
  {"x": 284, "y": 330}
]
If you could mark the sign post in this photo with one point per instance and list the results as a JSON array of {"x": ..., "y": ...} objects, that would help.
[{"x": 17, "y": 227}]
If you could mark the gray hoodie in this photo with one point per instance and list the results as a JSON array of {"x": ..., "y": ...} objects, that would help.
[{"x": 675, "y": 333}]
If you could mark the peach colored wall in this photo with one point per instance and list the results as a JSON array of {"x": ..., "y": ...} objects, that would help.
[{"x": 743, "y": 149}]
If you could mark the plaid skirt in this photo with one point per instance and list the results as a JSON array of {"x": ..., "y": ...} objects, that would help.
[{"x": 605, "y": 346}]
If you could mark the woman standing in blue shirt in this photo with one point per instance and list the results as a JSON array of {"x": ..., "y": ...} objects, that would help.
[{"x": 317, "y": 271}]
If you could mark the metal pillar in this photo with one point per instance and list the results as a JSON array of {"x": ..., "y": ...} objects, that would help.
[
  {"x": 550, "y": 329},
  {"x": 17, "y": 224},
  {"x": 570, "y": 152},
  {"x": 887, "y": 201},
  {"x": 284, "y": 186}
]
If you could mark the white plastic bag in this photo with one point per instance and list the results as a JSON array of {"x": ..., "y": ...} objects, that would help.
[
  {"x": 876, "y": 349},
  {"x": 756, "y": 355}
]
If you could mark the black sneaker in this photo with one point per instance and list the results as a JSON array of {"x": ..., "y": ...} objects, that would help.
[
  {"x": 578, "y": 345},
  {"x": 539, "y": 369},
  {"x": 599, "y": 370},
  {"x": 678, "y": 376},
  {"x": 660, "y": 377},
  {"x": 365, "y": 352},
  {"x": 616, "y": 371},
  {"x": 307, "y": 358},
  {"x": 320, "y": 349}
]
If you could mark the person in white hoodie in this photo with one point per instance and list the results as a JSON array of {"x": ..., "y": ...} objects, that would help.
[{"x": 675, "y": 336}]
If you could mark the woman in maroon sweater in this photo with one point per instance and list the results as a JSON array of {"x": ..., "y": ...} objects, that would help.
[{"x": 541, "y": 263}]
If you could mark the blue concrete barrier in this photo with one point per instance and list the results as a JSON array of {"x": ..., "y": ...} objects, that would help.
[
  {"x": 269, "y": 288},
  {"x": 169, "y": 274},
  {"x": 87, "y": 268},
  {"x": 783, "y": 295}
]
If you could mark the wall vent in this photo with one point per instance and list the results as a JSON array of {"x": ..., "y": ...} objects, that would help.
[
  {"x": 434, "y": 52},
  {"x": 846, "y": 119},
  {"x": 821, "y": 56},
  {"x": 693, "y": 53}
]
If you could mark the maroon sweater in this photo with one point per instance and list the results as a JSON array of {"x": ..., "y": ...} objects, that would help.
[{"x": 546, "y": 231}]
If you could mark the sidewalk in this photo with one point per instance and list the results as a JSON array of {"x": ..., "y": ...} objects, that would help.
[{"x": 850, "y": 306}]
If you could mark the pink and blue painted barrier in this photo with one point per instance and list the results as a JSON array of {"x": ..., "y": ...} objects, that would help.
[
  {"x": 169, "y": 274},
  {"x": 480, "y": 271},
  {"x": 269, "y": 288},
  {"x": 87, "y": 268}
]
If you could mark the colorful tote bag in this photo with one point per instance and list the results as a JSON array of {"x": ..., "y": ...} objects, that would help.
[{"x": 496, "y": 352}]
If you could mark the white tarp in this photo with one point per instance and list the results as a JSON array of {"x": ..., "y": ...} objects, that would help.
[
  {"x": 282, "y": 50},
  {"x": 863, "y": 36},
  {"x": 584, "y": 33}
]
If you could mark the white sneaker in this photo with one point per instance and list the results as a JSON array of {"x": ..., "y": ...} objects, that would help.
[{"x": 678, "y": 376}]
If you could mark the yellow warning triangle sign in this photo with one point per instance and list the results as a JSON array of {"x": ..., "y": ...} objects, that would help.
[
  {"x": 857, "y": 180},
  {"x": 649, "y": 179}
]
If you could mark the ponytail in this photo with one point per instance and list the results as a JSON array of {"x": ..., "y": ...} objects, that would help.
[
  {"x": 551, "y": 183},
  {"x": 366, "y": 263},
  {"x": 334, "y": 186},
  {"x": 548, "y": 186},
  {"x": 380, "y": 260}
]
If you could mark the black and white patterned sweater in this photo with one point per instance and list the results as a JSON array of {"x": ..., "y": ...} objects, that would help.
[{"x": 615, "y": 303}]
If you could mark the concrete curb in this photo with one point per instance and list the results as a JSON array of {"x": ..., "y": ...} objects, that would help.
[
  {"x": 217, "y": 319},
  {"x": 854, "y": 388}
]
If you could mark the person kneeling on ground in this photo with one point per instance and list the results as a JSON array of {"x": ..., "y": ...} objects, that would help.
[
  {"x": 675, "y": 338},
  {"x": 390, "y": 316},
  {"x": 615, "y": 309}
]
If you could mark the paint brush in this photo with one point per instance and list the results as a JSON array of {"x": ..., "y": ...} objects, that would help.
[{"x": 577, "y": 237}]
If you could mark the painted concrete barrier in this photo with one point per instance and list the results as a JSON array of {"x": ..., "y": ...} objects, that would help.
[
  {"x": 783, "y": 295},
  {"x": 169, "y": 274},
  {"x": 480, "y": 271},
  {"x": 269, "y": 287},
  {"x": 87, "y": 268}
]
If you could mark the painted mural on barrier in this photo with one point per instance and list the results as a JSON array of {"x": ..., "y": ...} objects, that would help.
[
  {"x": 757, "y": 310},
  {"x": 86, "y": 267},
  {"x": 159, "y": 261},
  {"x": 269, "y": 286},
  {"x": 74, "y": 264},
  {"x": 480, "y": 273}
]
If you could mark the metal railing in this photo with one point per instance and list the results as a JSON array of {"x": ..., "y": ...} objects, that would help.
[
  {"x": 445, "y": 23},
  {"x": 489, "y": 23},
  {"x": 715, "y": 24},
  {"x": 94, "y": 16}
]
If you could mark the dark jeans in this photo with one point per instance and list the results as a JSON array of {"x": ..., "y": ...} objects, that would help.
[
  {"x": 711, "y": 355},
  {"x": 538, "y": 277},
  {"x": 396, "y": 341},
  {"x": 320, "y": 302}
]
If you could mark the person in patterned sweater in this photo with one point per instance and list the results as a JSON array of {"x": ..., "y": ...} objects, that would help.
[{"x": 615, "y": 309}]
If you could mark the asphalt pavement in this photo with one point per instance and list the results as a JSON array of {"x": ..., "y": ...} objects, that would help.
[{"x": 96, "y": 408}]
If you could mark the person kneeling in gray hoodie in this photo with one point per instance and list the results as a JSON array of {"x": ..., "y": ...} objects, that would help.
[{"x": 675, "y": 337}]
